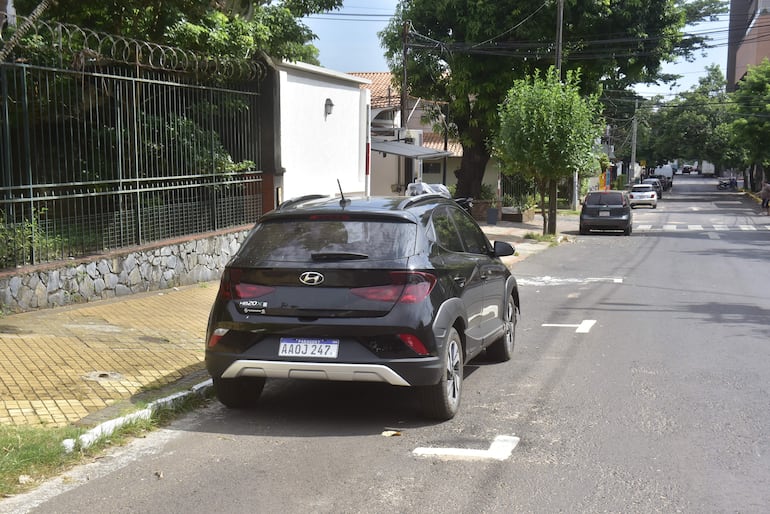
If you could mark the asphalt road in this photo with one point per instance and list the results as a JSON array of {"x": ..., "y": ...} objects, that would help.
[{"x": 639, "y": 384}]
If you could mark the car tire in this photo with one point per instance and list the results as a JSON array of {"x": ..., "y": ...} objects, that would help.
[
  {"x": 583, "y": 230},
  {"x": 238, "y": 393},
  {"x": 441, "y": 401},
  {"x": 502, "y": 349},
  {"x": 628, "y": 230}
]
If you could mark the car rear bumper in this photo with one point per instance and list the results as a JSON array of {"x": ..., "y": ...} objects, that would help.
[
  {"x": 338, "y": 372},
  {"x": 399, "y": 372},
  {"x": 605, "y": 223}
]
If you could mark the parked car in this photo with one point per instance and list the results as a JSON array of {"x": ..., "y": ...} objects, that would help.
[
  {"x": 606, "y": 210},
  {"x": 643, "y": 194},
  {"x": 400, "y": 290},
  {"x": 657, "y": 184}
]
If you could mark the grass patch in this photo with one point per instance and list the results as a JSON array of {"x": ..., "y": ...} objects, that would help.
[
  {"x": 541, "y": 238},
  {"x": 31, "y": 454}
]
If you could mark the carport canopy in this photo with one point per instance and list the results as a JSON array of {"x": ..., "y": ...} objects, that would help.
[{"x": 408, "y": 150}]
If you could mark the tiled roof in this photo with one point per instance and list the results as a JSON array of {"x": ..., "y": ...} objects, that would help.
[
  {"x": 435, "y": 141},
  {"x": 384, "y": 93}
]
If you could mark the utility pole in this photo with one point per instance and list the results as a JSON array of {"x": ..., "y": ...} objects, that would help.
[
  {"x": 559, "y": 28},
  {"x": 405, "y": 44},
  {"x": 632, "y": 168}
]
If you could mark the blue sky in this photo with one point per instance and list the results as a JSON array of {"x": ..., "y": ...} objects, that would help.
[{"x": 348, "y": 42}]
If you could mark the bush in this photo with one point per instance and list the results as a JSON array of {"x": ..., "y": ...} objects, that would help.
[{"x": 20, "y": 241}]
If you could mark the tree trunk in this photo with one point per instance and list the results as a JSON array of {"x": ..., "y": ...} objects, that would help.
[
  {"x": 553, "y": 192},
  {"x": 471, "y": 172}
]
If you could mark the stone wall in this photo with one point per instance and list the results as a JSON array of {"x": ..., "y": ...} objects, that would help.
[{"x": 162, "y": 265}]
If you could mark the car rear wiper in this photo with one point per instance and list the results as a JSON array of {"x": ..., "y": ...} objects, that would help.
[{"x": 338, "y": 256}]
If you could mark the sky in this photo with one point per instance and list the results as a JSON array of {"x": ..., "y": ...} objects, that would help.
[{"x": 348, "y": 42}]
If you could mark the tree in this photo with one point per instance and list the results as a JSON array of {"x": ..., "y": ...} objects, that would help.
[
  {"x": 227, "y": 28},
  {"x": 752, "y": 129},
  {"x": 547, "y": 132},
  {"x": 468, "y": 52}
]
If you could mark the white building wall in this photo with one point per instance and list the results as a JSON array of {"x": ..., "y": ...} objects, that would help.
[{"x": 319, "y": 149}]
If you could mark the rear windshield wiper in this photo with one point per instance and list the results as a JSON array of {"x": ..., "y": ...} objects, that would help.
[{"x": 338, "y": 256}]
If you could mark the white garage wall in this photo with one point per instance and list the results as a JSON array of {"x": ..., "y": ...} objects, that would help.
[{"x": 316, "y": 149}]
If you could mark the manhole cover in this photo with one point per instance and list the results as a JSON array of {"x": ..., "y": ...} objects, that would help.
[{"x": 103, "y": 376}]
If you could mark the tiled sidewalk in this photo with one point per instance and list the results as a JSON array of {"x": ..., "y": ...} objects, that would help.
[{"x": 58, "y": 366}]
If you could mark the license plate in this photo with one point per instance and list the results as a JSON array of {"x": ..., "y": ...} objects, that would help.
[
  {"x": 604, "y": 213},
  {"x": 305, "y": 347}
]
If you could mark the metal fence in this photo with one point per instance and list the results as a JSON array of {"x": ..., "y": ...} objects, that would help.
[{"x": 103, "y": 154}]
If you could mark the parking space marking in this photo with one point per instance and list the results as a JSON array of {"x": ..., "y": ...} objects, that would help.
[
  {"x": 581, "y": 328},
  {"x": 747, "y": 227},
  {"x": 694, "y": 227},
  {"x": 557, "y": 281},
  {"x": 500, "y": 449}
]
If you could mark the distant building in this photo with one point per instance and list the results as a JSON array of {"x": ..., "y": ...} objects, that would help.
[{"x": 749, "y": 38}]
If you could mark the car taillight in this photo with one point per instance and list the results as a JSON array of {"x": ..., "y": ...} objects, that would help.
[
  {"x": 414, "y": 343},
  {"x": 231, "y": 287},
  {"x": 405, "y": 287},
  {"x": 216, "y": 336}
]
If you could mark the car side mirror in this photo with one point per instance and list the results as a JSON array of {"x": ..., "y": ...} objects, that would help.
[{"x": 503, "y": 249}]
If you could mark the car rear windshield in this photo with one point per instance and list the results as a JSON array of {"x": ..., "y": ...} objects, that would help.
[
  {"x": 307, "y": 240},
  {"x": 604, "y": 199},
  {"x": 643, "y": 188}
]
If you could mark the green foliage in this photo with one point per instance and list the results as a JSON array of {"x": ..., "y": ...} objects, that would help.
[
  {"x": 752, "y": 99},
  {"x": 547, "y": 130},
  {"x": 20, "y": 241},
  {"x": 468, "y": 53},
  {"x": 226, "y": 28},
  {"x": 692, "y": 125}
]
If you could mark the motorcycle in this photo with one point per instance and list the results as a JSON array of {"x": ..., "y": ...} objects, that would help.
[{"x": 727, "y": 184}]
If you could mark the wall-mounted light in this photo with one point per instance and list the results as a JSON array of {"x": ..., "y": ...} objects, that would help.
[{"x": 328, "y": 106}]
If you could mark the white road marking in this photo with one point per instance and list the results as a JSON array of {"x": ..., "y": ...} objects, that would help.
[
  {"x": 500, "y": 449},
  {"x": 720, "y": 227},
  {"x": 582, "y": 328},
  {"x": 644, "y": 227},
  {"x": 669, "y": 227},
  {"x": 556, "y": 281},
  {"x": 713, "y": 235},
  {"x": 747, "y": 227},
  {"x": 694, "y": 227}
]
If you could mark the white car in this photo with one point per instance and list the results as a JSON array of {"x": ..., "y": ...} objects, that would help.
[{"x": 643, "y": 194}]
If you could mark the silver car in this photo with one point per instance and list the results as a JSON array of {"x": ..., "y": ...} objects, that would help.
[{"x": 643, "y": 194}]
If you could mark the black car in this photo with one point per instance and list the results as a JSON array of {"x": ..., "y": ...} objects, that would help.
[
  {"x": 606, "y": 210},
  {"x": 400, "y": 290}
]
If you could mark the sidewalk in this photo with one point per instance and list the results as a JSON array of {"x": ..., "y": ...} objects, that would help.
[{"x": 86, "y": 364}]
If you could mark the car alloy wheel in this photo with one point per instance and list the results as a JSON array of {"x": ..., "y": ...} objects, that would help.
[
  {"x": 502, "y": 349},
  {"x": 441, "y": 401}
]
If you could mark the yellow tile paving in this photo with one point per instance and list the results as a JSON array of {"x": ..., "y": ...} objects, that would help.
[{"x": 58, "y": 366}]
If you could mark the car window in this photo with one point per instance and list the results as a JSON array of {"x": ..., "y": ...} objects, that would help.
[
  {"x": 643, "y": 188},
  {"x": 472, "y": 237},
  {"x": 445, "y": 232},
  {"x": 294, "y": 240},
  {"x": 604, "y": 199}
]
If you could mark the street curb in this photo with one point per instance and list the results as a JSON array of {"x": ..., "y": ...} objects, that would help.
[{"x": 107, "y": 428}]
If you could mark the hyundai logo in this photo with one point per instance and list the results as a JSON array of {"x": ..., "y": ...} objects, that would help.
[{"x": 311, "y": 278}]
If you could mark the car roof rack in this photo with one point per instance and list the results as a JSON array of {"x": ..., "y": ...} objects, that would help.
[
  {"x": 411, "y": 200},
  {"x": 293, "y": 202}
]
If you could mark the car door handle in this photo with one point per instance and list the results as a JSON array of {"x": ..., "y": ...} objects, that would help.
[{"x": 459, "y": 280}]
